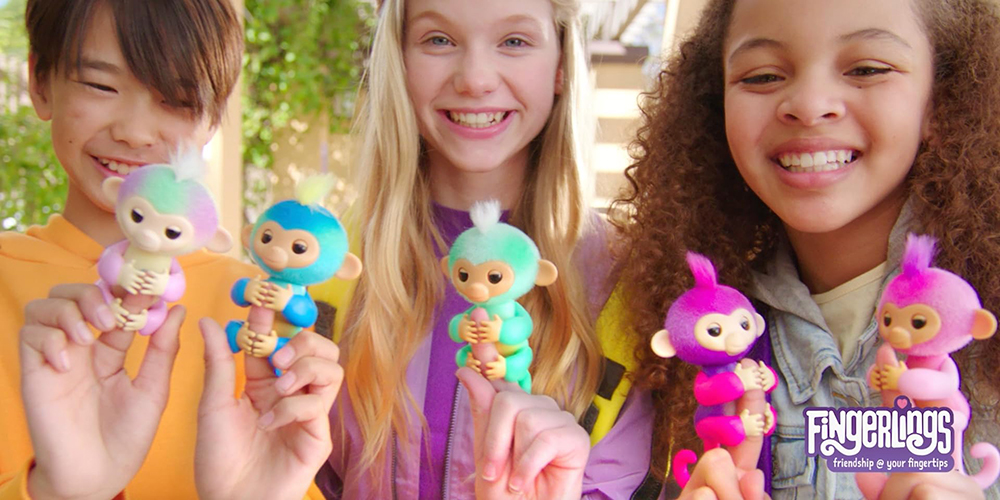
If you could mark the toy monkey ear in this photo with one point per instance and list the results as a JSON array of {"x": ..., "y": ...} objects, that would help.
[
  {"x": 221, "y": 241},
  {"x": 245, "y": 236},
  {"x": 547, "y": 273},
  {"x": 760, "y": 323},
  {"x": 444, "y": 267},
  {"x": 984, "y": 324},
  {"x": 661, "y": 344},
  {"x": 110, "y": 188},
  {"x": 351, "y": 268}
]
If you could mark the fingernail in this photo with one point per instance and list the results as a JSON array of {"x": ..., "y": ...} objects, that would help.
[
  {"x": 265, "y": 420},
  {"x": 64, "y": 361},
  {"x": 514, "y": 486},
  {"x": 285, "y": 382},
  {"x": 489, "y": 472},
  {"x": 105, "y": 320},
  {"x": 284, "y": 356},
  {"x": 83, "y": 334}
]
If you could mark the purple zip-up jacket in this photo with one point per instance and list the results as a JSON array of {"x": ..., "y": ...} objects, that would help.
[{"x": 617, "y": 464}]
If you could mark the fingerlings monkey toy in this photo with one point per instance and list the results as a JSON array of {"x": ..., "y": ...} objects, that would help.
[
  {"x": 714, "y": 326},
  {"x": 491, "y": 265},
  {"x": 164, "y": 212},
  {"x": 928, "y": 313},
  {"x": 296, "y": 243}
]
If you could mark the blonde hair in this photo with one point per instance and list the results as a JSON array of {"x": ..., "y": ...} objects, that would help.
[{"x": 393, "y": 305}]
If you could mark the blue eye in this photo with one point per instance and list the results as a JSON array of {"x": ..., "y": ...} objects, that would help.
[
  {"x": 514, "y": 43},
  {"x": 439, "y": 41}
]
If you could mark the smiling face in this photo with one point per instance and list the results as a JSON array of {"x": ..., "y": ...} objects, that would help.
[
  {"x": 104, "y": 121},
  {"x": 826, "y": 105},
  {"x": 482, "y": 76}
]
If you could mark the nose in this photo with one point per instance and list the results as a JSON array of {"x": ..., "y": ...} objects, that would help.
[
  {"x": 812, "y": 100},
  {"x": 136, "y": 124},
  {"x": 476, "y": 74}
]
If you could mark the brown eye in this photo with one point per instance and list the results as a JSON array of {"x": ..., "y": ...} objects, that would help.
[
  {"x": 918, "y": 322},
  {"x": 714, "y": 330},
  {"x": 266, "y": 237},
  {"x": 745, "y": 324},
  {"x": 136, "y": 215},
  {"x": 300, "y": 247},
  {"x": 495, "y": 277},
  {"x": 463, "y": 275},
  {"x": 887, "y": 320},
  {"x": 172, "y": 233}
]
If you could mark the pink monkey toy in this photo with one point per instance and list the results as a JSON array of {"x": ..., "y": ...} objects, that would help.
[
  {"x": 928, "y": 313},
  {"x": 164, "y": 212},
  {"x": 714, "y": 326}
]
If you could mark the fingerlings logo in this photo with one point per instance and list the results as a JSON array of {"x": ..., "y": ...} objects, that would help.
[{"x": 903, "y": 438}]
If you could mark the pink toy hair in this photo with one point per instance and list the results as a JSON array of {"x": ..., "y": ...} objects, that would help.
[{"x": 920, "y": 283}]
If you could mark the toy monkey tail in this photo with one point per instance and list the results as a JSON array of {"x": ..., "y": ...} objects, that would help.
[
  {"x": 680, "y": 464},
  {"x": 991, "y": 464}
]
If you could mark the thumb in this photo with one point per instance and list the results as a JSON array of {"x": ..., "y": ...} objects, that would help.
[
  {"x": 481, "y": 395},
  {"x": 158, "y": 362},
  {"x": 220, "y": 368},
  {"x": 871, "y": 483}
]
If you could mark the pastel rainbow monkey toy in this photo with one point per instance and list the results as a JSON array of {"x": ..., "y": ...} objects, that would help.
[
  {"x": 714, "y": 326},
  {"x": 928, "y": 313},
  {"x": 297, "y": 243},
  {"x": 491, "y": 265},
  {"x": 164, "y": 212}
]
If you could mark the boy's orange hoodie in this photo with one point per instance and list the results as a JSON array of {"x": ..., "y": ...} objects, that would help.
[{"x": 31, "y": 264}]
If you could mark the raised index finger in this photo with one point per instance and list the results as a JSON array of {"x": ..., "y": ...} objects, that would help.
[{"x": 746, "y": 454}]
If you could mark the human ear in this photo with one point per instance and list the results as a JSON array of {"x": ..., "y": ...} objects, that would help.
[
  {"x": 559, "y": 78},
  {"x": 661, "y": 344},
  {"x": 547, "y": 273},
  {"x": 110, "y": 188},
  {"x": 351, "y": 268},
  {"x": 220, "y": 242},
  {"x": 38, "y": 89},
  {"x": 984, "y": 324}
]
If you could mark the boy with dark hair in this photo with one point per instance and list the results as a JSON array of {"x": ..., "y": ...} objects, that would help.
[{"x": 124, "y": 84}]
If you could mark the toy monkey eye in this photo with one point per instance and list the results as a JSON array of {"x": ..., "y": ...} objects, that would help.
[
  {"x": 495, "y": 277},
  {"x": 266, "y": 237},
  {"x": 745, "y": 324},
  {"x": 918, "y": 322},
  {"x": 714, "y": 330},
  {"x": 136, "y": 215},
  {"x": 463, "y": 275},
  {"x": 299, "y": 247},
  {"x": 172, "y": 233},
  {"x": 887, "y": 320}
]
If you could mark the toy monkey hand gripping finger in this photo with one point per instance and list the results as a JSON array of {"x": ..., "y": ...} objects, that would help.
[
  {"x": 714, "y": 326},
  {"x": 928, "y": 313},
  {"x": 492, "y": 265},
  {"x": 164, "y": 212},
  {"x": 296, "y": 243}
]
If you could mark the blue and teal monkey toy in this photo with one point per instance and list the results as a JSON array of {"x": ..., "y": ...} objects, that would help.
[
  {"x": 491, "y": 265},
  {"x": 297, "y": 243}
]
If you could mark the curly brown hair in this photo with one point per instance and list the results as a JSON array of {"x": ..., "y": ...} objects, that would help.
[{"x": 686, "y": 192}]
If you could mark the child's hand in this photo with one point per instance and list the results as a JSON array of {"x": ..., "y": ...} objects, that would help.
[
  {"x": 271, "y": 441},
  {"x": 917, "y": 485},
  {"x": 525, "y": 446},
  {"x": 91, "y": 426}
]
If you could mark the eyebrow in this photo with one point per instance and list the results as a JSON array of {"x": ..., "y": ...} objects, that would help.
[
  {"x": 434, "y": 15},
  {"x": 865, "y": 34},
  {"x": 99, "y": 65}
]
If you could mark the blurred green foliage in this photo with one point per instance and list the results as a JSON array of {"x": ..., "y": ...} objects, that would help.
[{"x": 32, "y": 184}]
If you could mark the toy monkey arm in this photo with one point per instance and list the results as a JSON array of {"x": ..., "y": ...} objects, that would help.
[
  {"x": 927, "y": 383},
  {"x": 176, "y": 283},
  {"x": 454, "y": 323},
  {"x": 517, "y": 329},
  {"x": 300, "y": 311},
  {"x": 717, "y": 389},
  {"x": 238, "y": 291},
  {"x": 110, "y": 264}
]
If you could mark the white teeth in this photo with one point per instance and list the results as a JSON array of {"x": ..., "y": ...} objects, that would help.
[
  {"x": 119, "y": 168},
  {"x": 820, "y": 161},
  {"x": 477, "y": 120}
]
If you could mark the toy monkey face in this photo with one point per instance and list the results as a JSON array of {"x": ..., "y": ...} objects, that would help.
[
  {"x": 905, "y": 327},
  {"x": 279, "y": 248},
  {"x": 152, "y": 231},
  {"x": 479, "y": 283},
  {"x": 730, "y": 333}
]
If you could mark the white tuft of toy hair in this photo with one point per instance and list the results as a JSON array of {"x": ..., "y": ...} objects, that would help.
[
  {"x": 188, "y": 164},
  {"x": 314, "y": 189},
  {"x": 485, "y": 214},
  {"x": 918, "y": 253},
  {"x": 702, "y": 270}
]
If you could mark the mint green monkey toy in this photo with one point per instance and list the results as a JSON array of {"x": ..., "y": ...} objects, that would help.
[{"x": 492, "y": 265}]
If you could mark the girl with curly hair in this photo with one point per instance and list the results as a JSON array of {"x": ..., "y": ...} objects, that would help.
[{"x": 795, "y": 143}]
